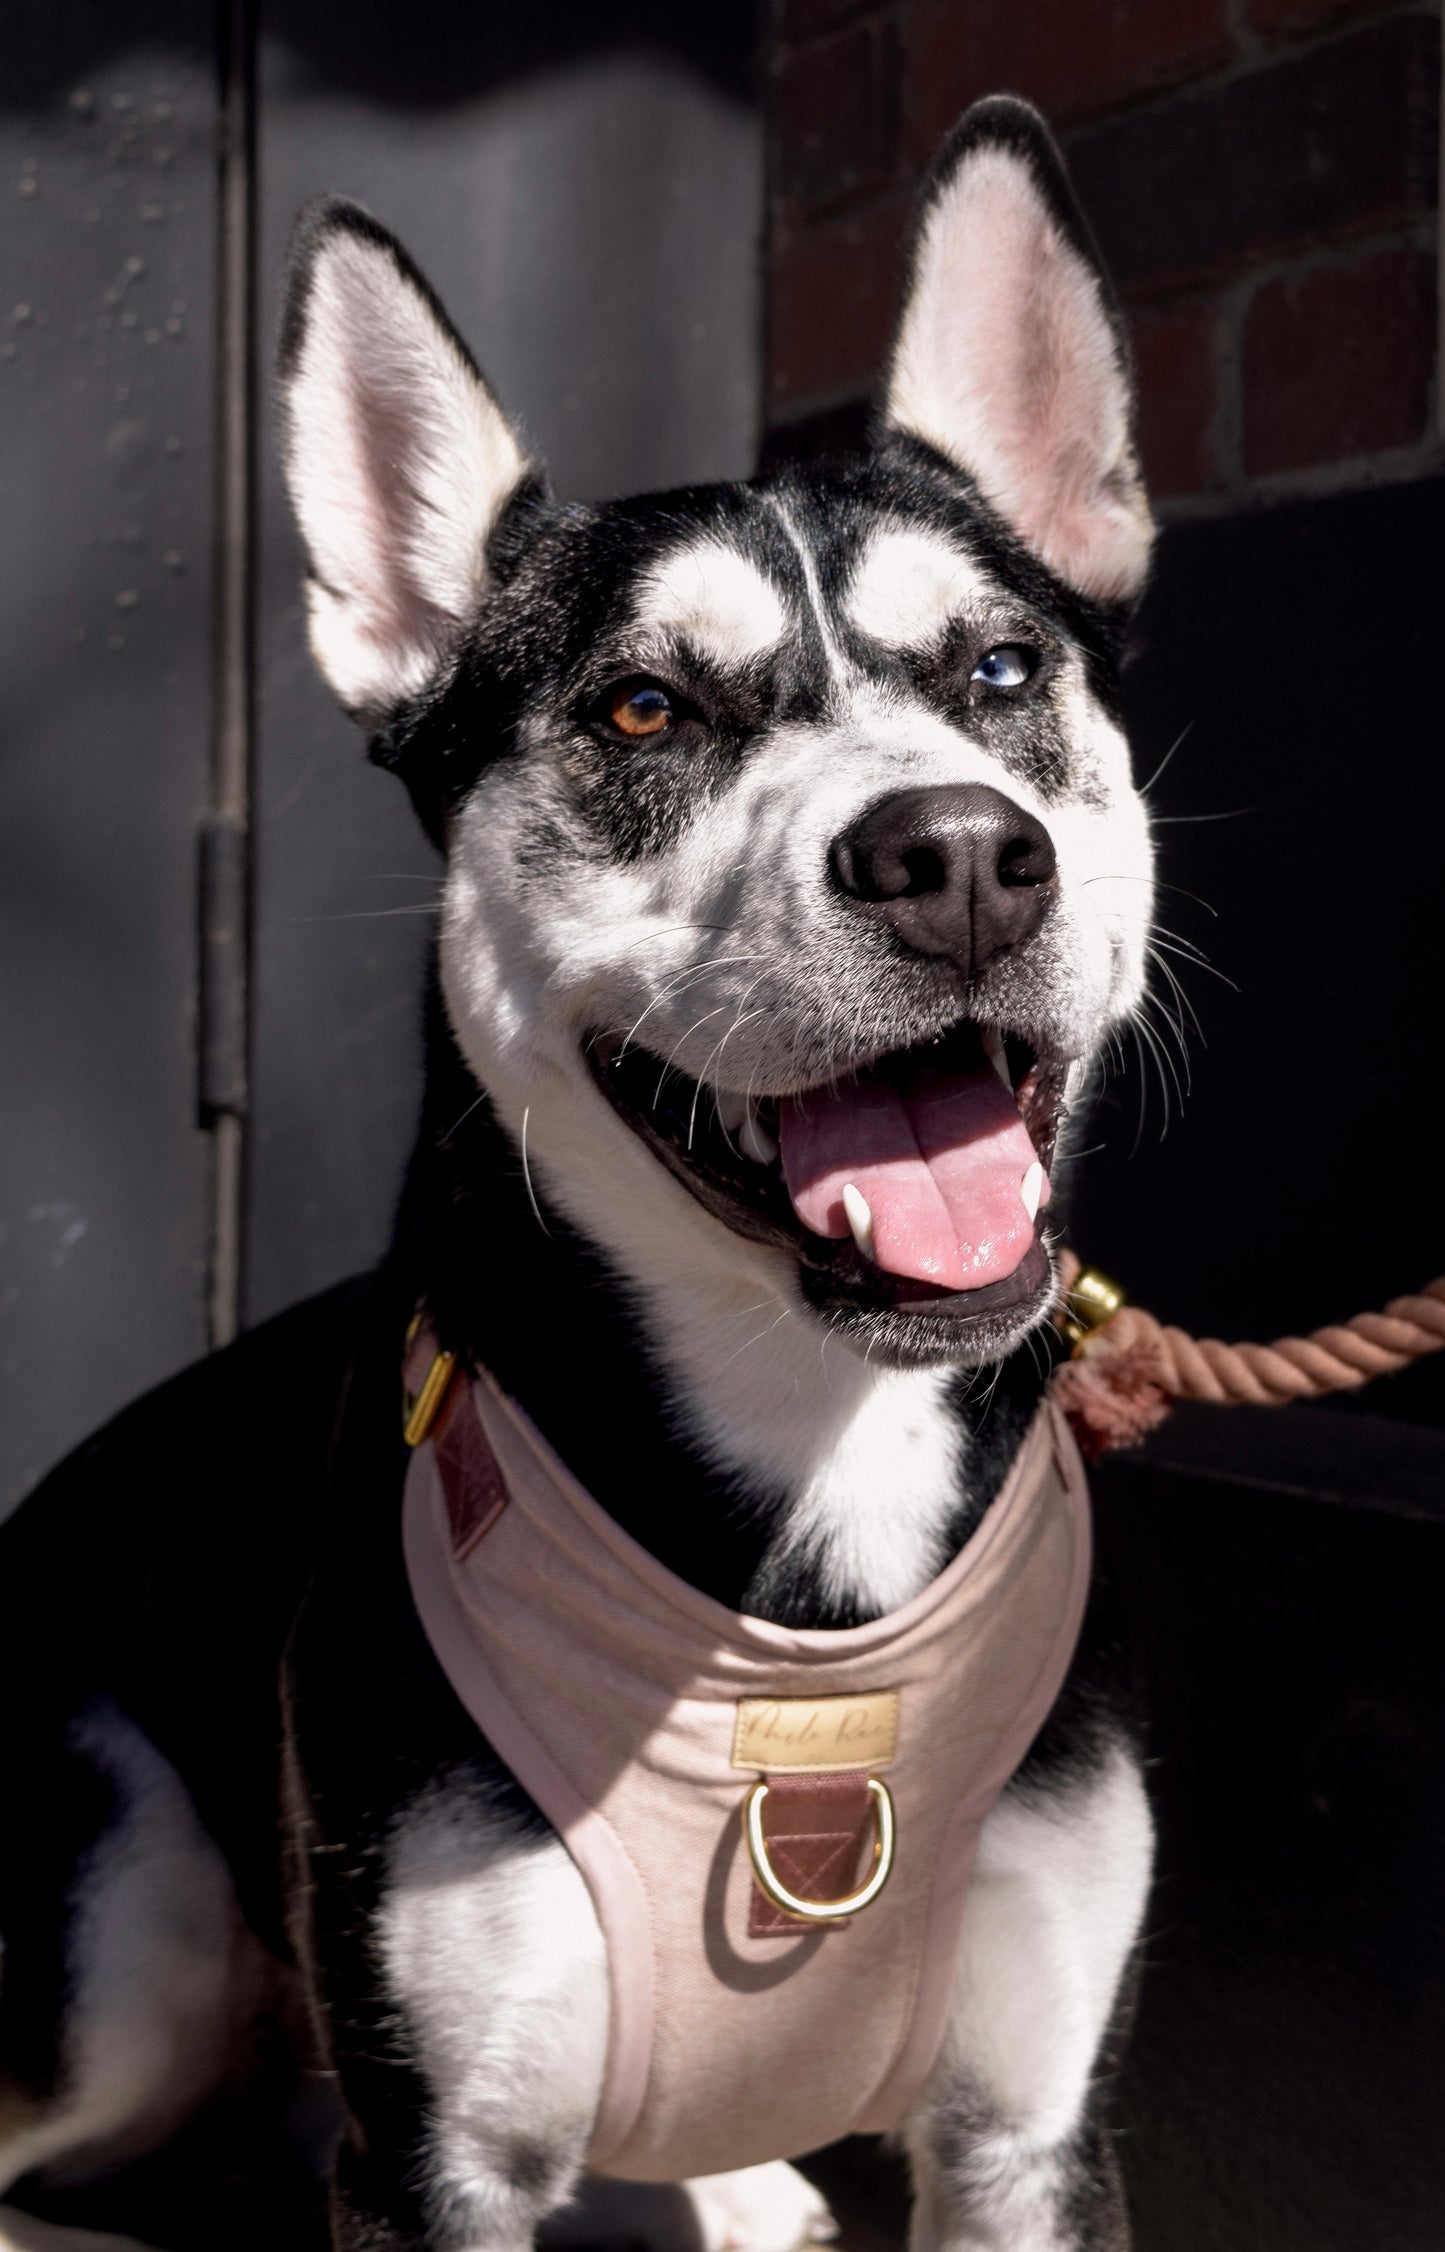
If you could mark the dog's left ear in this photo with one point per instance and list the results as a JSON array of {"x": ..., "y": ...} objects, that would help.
[
  {"x": 398, "y": 460},
  {"x": 1011, "y": 356}
]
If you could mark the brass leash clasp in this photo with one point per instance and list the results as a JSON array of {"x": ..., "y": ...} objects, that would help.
[{"x": 1090, "y": 1300}]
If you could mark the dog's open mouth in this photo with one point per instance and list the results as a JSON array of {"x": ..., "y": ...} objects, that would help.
[{"x": 914, "y": 1184}]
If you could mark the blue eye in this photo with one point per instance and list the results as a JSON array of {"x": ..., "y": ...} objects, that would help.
[{"x": 1008, "y": 666}]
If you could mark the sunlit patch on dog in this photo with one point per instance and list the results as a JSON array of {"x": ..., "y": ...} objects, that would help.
[
  {"x": 716, "y": 600},
  {"x": 909, "y": 586}
]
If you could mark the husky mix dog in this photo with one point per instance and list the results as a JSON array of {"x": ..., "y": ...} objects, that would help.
[{"x": 767, "y": 809}]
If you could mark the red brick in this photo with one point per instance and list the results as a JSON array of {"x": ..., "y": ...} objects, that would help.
[
  {"x": 1068, "y": 58},
  {"x": 1174, "y": 355},
  {"x": 832, "y": 302},
  {"x": 1309, "y": 15},
  {"x": 836, "y": 116},
  {"x": 1339, "y": 139},
  {"x": 1338, "y": 362}
]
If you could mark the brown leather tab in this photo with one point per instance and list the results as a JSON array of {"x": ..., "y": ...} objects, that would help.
[
  {"x": 473, "y": 1485},
  {"x": 815, "y": 1826},
  {"x": 471, "y": 1482}
]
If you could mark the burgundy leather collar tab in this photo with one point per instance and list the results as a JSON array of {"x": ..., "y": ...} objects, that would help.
[{"x": 437, "y": 1407}]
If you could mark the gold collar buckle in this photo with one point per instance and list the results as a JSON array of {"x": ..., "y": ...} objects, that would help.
[{"x": 421, "y": 1410}]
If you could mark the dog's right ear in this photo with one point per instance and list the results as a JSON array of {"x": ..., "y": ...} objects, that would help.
[{"x": 398, "y": 460}]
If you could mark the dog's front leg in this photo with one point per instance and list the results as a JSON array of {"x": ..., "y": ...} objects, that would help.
[
  {"x": 468, "y": 2034},
  {"x": 1008, "y": 2145}
]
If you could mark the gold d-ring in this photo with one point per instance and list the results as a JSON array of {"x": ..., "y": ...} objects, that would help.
[{"x": 820, "y": 1911}]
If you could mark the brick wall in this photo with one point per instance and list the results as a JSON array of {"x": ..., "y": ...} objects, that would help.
[{"x": 1262, "y": 176}]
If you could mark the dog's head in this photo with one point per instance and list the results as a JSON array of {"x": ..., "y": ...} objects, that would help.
[{"x": 795, "y": 874}]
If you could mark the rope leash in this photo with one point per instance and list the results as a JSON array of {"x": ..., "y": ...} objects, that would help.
[{"x": 1127, "y": 1369}]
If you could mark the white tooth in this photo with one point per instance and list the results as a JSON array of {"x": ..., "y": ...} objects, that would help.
[
  {"x": 860, "y": 1220},
  {"x": 732, "y": 1108},
  {"x": 993, "y": 1048},
  {"x": 754, "y": 1140},
  {"x": 1032, "y": 1189}
]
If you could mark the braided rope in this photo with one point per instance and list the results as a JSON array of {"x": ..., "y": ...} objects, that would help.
[
  {"x": 1128, "y": 1372},
  {"x": 1338, "y": 1358}
]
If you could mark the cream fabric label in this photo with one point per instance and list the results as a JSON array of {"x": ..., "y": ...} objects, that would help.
[{"x": 809, "y": 1735}]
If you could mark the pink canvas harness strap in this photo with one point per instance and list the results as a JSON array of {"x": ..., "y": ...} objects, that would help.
[{"x": 643, "y": 1717}]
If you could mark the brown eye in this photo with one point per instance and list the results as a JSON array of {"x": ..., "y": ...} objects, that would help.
[{"x": 640, "y": 707}]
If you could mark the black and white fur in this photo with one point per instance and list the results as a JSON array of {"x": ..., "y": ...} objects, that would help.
[{"x": 783, "y": 1433}]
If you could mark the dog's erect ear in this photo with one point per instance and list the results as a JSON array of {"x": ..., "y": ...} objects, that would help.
[
  {"x": 398, "y": 459},
  {"x": 1011, "y": 357}
]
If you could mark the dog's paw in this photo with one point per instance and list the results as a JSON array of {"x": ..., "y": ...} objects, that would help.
[{"x": 762, "y": 2209}]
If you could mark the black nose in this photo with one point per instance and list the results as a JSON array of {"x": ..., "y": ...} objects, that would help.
[{"x": 958, "y": 871}]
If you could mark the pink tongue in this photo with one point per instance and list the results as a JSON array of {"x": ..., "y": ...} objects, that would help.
[{"x": 941, "y": 1166}]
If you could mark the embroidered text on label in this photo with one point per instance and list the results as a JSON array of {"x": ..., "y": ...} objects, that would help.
[{"x": 796, "y": 1735}]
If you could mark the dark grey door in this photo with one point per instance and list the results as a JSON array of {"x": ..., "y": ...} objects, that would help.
[
  {"x": 584, "y": 186},
  {"x": 106, "y": 334}
]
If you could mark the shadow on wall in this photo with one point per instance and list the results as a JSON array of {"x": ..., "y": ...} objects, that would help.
[{"x": 1260, "y": 1167}]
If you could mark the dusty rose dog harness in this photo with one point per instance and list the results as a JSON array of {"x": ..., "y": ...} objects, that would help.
[{"x": 641, "y": 1716}]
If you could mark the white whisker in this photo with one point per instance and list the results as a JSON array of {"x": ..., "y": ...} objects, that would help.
[
  {"x": 675, "y": 984},
  {"x": 1168, "y": 755},
  {"x": 527, "y": 1177},
  {"x": 1174, "y": 820}
]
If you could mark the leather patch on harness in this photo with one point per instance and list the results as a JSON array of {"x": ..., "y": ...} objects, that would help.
[
  {"x": 476, "y": 1493},
  {"x": 815, "y": 1827},
  {"x": 813, "y": 1735}
]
